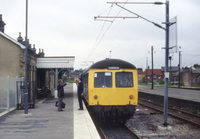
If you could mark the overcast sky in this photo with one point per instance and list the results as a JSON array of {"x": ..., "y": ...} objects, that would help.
[{"x": 67, "y": 28}]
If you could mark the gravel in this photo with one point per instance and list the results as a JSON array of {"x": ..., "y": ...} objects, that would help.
[{"x": 147, "y": 124}]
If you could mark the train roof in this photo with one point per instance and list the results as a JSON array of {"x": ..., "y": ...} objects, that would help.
[{"x": 112, "y": 64}]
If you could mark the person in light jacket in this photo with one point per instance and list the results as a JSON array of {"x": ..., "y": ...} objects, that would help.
[{"x": 60, "y": 93}]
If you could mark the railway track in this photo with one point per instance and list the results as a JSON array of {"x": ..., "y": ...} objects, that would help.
[
  {"x": 174, "y": 112},
  {"x": 113, "y": 131}
]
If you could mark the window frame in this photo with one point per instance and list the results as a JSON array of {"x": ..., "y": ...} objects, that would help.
[
  {"x": 132, "y": 83},
  {"x": 104, "y": 84}
]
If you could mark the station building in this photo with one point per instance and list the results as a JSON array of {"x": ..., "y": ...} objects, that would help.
[{"x": 43, "y": 72}]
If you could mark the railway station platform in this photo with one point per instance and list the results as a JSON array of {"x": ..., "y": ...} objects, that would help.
[
  {"x": 178, "y": 93},
  {"x": 46, "y": 122}
]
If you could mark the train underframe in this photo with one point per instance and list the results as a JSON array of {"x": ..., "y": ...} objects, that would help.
[{"x": 114, "y": 114}]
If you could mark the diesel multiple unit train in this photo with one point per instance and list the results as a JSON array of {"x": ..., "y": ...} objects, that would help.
[{"x": 111, "y": 89}]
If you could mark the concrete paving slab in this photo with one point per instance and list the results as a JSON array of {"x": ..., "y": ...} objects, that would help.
[
  {"x": 83, "y": 125},
  {"x": 45, "y": 122}
]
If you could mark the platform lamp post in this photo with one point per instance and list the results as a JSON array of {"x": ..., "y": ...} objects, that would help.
[
  {"x": 167, "y": 24},
  {"x": 26, "y": 64}
]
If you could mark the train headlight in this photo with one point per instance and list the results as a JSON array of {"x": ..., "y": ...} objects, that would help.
[
  {"x": 95, "y": 97},
  {"x": 131, "y": 96}
]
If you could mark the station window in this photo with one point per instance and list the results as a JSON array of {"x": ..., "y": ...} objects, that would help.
[
  {"x": 102, "y": 79},
  {"x": 124, "y": 79}
]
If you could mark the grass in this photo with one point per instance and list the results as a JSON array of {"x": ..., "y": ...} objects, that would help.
[
  {"x": 157, "y": 84},
  {"x": 1, "y": 110}
]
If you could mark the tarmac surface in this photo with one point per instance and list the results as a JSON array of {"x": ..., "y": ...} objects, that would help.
[{"x": 46, "y": 122}]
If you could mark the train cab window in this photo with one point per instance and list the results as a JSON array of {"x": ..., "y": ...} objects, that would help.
[
  {"x": 124, "y": 79},
  {"x": 102, "y": 79}
]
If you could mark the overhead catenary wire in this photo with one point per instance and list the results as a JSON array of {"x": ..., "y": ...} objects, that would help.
[
  {"x": 189, "y": 54},
  {"x": 87, "y": 59},
  {"x": 98, "y": 36},
  {"x": 97, "y": 42},
  {"x": 139, "y": 16}
]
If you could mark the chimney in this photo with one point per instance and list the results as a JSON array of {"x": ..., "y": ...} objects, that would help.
[
  {"x": 2, "y": 24},
  {"x": 34, "y": 48},
  {"x": 20, "y": 39},
  {"x": 41, "y": 54}
]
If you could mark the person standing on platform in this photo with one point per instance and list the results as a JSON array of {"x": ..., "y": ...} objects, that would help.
[
  {"x": 80, "y": 93},
  {"x": 60, "y": 93}
]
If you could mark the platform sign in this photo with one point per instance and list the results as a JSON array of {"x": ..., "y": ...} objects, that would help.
[
  {"x": 23, "y": 87},
  {"x": 113, "y": 68},
  {"x": 173, "y": 37},
  {"x": 167, "y": 75}
]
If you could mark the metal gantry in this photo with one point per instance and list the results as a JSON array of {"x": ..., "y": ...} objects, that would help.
[{"x": 167, "y": 24}]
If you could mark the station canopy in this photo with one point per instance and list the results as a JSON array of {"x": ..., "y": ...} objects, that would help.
[{"x": 56, "y": 62}]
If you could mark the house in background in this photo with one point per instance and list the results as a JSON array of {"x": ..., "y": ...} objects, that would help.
[
  {"x": 172, "y": 72},
  {"x": 141, "y": 75},
  {"x": 157, "y": 75},
  {"x": 190, "y": 76}
]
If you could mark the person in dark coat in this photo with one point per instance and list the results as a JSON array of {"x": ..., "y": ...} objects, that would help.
[
  {"x": 60, "y": 93},
  {"x": 80, "y": 93}
]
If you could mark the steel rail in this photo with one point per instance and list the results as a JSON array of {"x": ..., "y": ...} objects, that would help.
[
  {"x": 171, "y": 108},
  {"x": 102, "y": 132},
  {"x": 171, "y": 114},
  {"x": 133, "y": 132},
  {"x": 121, "y": 129}
]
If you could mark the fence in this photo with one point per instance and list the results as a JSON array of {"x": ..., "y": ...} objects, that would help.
[{"x": 8, "y": 93}]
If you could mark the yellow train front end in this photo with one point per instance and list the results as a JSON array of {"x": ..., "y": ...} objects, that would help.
[{"x": 112, "y": 87}]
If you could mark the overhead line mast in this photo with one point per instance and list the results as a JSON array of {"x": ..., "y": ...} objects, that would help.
[{"x": 167, "y": 24}]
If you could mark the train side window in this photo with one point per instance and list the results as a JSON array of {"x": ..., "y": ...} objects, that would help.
[
  {"x": 124, "y": 79},
  {"x": 102, "y": 79}
]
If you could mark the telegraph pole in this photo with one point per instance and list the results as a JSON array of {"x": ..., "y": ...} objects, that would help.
[
  {"x": 170, "y": 69},
  {"x": 179, "y": 71},
  {"x": 146, "y": 69},
  {"x": 152, "y": 66}
]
